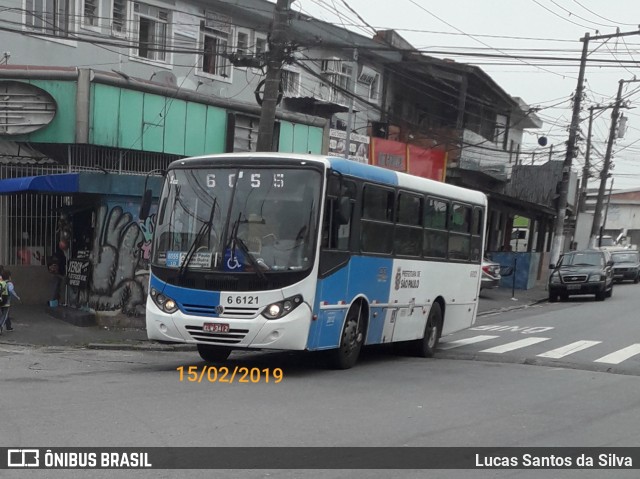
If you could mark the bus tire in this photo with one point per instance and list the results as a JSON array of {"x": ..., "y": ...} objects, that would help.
[
  {"x": 351, "y": 339},
  {"x": 426, "y": 347},
  {"x": 213, "y": 354}
]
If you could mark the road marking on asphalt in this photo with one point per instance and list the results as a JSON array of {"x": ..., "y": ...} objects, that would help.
[
  {"x": 568, "y": 349},
  {"x": 461, "y": 342},
  {"x": 521, "y": 343},
  {"x": 622, "y": 354}
]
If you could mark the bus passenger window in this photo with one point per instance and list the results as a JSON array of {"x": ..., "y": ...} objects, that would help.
[{"x": 336, "y": 228}]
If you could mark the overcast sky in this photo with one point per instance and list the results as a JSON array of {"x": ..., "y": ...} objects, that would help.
[{"x": 550, "y": 28}]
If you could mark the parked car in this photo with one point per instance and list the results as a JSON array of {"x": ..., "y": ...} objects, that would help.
[
  {"x": 582, "y": 272},
  {"x": 626, "y": 265},
  {"x": 490, "y": 274}
]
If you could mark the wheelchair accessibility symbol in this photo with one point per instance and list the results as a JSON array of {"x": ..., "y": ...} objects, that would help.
[
  {"x": 232, "y": 263},
  {"x": 233, "y": 260}
]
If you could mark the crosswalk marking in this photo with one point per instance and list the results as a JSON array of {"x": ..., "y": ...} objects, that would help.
[
  {"x": 615, "y": 357},
  {"x": 462, "y": 342},
  {"x": 620, "y": 355},
  {"x": 521, "y": 343},
  {"x": 568, "y": 349}
]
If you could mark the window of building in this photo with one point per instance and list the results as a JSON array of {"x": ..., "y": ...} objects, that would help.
[
  {"x": 244, "y": 47},
  {"x": 215, "y": 36},
  {"x": 338, "y": 74},
  {"x": 243, "y": 40},
  {"x": 151, "y": 24},
  {"x": 290, "y": 82},
  {"x": 91, "y": 13},
  {"x": 374, "y": 89},
  {"x": 261, "y": 44},
  {"x": 53, "y": 17},
  {"x": 371, "y": 79},
  {"x": 119, "y": 17}
]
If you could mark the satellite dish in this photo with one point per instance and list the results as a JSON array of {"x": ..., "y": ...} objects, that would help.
[
  {"x": 164, "y": 78},
  {"x": 186, "y": 83},
  {"x": 542, "y": 141}
]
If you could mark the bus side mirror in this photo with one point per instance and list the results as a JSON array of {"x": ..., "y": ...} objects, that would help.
[
  {"x": 552, "y": 266},
  {"x": 334, "y": 187},
  {"x": 145, "y": 205}
]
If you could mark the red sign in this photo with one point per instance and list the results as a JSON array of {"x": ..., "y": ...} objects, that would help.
[
  {"x": 430, "y": 163},
  {"x": 389, "y": 154}
]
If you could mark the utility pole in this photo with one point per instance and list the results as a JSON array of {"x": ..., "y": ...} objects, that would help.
[
  {"x": 275, "y": 59},
  {"x": 606, "y": 212},
  {"x": 354, "y": 78},
  {"x": 558, "y": 239},
  {"x": 587, "y": 165},
  {"x": 604, "y": 174}
]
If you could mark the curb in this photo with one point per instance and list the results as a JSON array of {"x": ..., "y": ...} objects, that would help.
[
  {"x": 141, "y": 347},
  {"x": 511, "y": 308}
]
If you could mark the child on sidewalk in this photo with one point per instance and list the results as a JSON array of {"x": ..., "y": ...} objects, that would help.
[{"x": 6, "y": 287}]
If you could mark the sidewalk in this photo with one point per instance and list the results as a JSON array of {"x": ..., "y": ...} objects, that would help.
[
  {"x": 501, "y": 299},
  {"x": 34, "y": 326}
]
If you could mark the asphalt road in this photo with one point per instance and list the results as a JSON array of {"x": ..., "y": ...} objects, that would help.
[
  {"x": 62, "y": 397},
  {"x": 581, "y": 333},
  {"x": 540, "y": 394}
]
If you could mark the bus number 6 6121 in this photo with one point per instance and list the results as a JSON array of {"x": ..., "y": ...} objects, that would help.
[{"x": 242, "y": 300}]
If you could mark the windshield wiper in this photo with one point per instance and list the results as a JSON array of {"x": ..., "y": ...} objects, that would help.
[{"x": 204, "y": 229}]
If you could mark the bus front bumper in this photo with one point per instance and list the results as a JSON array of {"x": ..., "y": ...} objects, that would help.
[{"x": 288, "y": 333}]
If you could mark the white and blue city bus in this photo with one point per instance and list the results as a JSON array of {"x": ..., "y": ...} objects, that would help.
[{"x": 301, "y": 252}]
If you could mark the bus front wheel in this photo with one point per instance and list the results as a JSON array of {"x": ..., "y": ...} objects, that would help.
[
  {"x": 426, "y": 347},
  {"x": 351, "y": 340},
  {"x": 213, "y": 354}
]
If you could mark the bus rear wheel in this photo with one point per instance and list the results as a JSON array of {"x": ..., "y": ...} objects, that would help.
[
  {"x": 213, "y": 354},
  {"x": 426, "y": 347},
  {"x": 351, "y": 340}
]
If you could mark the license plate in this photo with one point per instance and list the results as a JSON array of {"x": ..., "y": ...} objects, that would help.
[
  {"x": 215, "y": 328},
  {"x": 573, "y": 286}
]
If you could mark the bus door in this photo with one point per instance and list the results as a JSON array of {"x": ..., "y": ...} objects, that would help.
[{"x": 335, "y": 256}]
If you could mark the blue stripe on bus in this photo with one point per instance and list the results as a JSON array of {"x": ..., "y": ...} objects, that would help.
[
  {"x": 367, "y": 172},
  {"x": 367, "y": 276},
  {"x": 190, "y": 301}
]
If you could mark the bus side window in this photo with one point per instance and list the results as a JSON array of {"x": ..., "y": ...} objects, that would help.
[{"x": 336, "y": 228}]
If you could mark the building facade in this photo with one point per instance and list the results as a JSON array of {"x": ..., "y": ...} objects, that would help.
[{"x": 113, "y": 91}]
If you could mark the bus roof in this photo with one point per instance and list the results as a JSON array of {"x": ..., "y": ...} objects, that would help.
[{"x": 352, "y": 168}]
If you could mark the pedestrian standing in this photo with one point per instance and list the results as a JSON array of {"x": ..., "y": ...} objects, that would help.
[
  {"x": 4, "y": 302},
  {"x": 6, "y": 276}
]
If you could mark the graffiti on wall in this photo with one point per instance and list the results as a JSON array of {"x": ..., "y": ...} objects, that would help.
[{"x": 120, "y": 261}]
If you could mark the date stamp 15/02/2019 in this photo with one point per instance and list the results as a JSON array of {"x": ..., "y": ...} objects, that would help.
[{"x": 223, "y": 374}]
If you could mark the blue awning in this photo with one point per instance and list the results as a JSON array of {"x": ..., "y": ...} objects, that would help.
[
  {"x": 84, "y": 182},
  {"x": 62, "y": 183}
]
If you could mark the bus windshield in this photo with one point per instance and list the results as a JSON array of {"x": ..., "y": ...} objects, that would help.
[{"x": 238, "y": 219}]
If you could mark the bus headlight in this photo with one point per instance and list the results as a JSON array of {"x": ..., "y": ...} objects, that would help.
[
  {"x": 282, "y": 308},
  {"x": 163, "y": 302}
]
